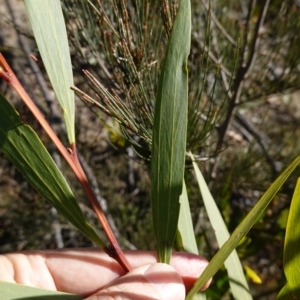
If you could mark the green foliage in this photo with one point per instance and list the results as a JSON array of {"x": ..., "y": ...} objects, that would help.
[
  {"x": 185, "y": 235},
  {"x": 24, "y": 149},
  {"x": 291, "y": 257},
  {"x": 11, "y": 291},
  {"x": 243, "y": 228},
  {"x": 239, "y": 58},
  {"x": 169, "y": 134},
  {"x": 185, "y": 239},
  {"x": 51, "y": 37},
  {"x": 237, "y": 279}
]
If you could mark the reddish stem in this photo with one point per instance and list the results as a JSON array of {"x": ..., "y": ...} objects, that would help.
[{"x": 72, "y": 159}]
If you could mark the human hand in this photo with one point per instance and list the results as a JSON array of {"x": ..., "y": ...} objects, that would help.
[{"x": 93, "y": 274}]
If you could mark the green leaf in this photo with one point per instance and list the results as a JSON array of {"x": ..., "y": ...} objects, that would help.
[
  {"x": 24, "y": 149},
  {"x": 185, "y": 234},
  {"x": 185, "y": 224},
  {"x": 49, "y": 30},
  {"x": 291, "y": 254},
  {"x": 220, "y": 257},
  {"x": 169, "y": 134},
  {"x": 288, "y": 293},
  {"x": 11, "y": 291},
  {"x": 237, "y": 280}
]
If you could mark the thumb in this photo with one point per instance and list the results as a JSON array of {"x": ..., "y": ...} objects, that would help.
[{"x": 151, "y": 282}]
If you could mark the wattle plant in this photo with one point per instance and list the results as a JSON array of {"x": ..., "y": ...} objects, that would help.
[{"x": 168, "y": 125}]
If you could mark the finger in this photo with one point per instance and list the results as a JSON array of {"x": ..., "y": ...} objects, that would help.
[
  {"x": 84, "y": 271},
  {"x": 156, "y": 281}
]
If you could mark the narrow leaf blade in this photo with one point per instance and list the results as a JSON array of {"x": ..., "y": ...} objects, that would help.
[
  {"x": 288, "y": 293},
  {"x": 185, "y": 224},
  {"x": 220, "y": 257},
  {"x": 237, "y": 280},
  {"x": 23, "y": 148},
  {"x": 291, "y": 254},
  {"x": 186, "y": 231},
  {"x": 169, "y": 134},
  {"x": 49, "y": 30},
  {"x": 11, "y": 291}
]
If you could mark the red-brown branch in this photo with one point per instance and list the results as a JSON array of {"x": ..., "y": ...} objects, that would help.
[{"x": 72, "y": 159}]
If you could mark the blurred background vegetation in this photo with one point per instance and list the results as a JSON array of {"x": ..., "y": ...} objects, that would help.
[{"x": 243, "y": 121}]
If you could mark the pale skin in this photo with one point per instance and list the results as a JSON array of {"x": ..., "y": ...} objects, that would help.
[{"x": 94, "y": 275}]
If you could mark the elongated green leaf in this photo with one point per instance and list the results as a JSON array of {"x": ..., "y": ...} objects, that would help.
[
  {"x": 291, "y": 255},
  {"x": 49, "y": 30},
  {"x": 185, "y": 224},
  {"x": 289, "y": 293},
  {"x": 237, "y": 280},
  {"x": 219, "y": 259},
  {"x": 169, "y": 134},
  {"x": 10, "y": 291},
  {"x": 186, "y": 231},
  {"x": 24, "y": 149}
]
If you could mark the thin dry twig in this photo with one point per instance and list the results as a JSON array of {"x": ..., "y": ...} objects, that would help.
[{"x": 243, "y": 70}]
